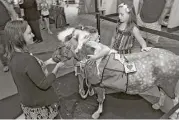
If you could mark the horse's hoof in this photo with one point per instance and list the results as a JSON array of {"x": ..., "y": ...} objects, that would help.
[
  {"x": 96, "y": 115},
  {"x": 174, "y": 116},
  {"x": 83, "y": 95},
  {"x": 156, "y": 106},
  {"x": 91, "y": 93}
]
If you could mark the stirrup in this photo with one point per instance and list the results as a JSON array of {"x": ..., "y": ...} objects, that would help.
[
  {"x": 82, "y": 94},
  {"x": 85, "y": 95}
]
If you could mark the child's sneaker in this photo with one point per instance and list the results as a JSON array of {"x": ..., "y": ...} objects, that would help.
[{"x": 6, "y": 69}]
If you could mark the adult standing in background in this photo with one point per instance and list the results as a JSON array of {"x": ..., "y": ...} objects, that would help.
[
  {"x": 7, "y": 12},
  {"x": 148, "y": 15},
  {"x": 32, "y": 16}
]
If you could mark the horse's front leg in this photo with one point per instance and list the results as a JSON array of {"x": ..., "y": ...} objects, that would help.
[
  {"x": 101, "y": 97},
  {"x": 79, "y": 74},
  {"x": 81, "y": 87}
]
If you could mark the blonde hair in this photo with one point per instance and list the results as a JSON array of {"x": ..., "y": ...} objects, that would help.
[{"x": 131, "y": 11}]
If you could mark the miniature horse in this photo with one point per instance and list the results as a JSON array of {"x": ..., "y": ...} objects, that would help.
[{"x": 157, "y": 67}]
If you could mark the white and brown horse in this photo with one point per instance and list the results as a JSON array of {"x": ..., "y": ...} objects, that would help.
[{"x": 157, "y": 67}]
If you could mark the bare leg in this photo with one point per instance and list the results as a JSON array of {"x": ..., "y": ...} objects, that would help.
[
  {"x": 165, "y": 12},
  {"x": 48, "y": 25},
  {"x": 101, "y": 97}
]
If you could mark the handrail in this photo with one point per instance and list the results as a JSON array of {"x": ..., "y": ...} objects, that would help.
[{"x": 156, "y": 32}]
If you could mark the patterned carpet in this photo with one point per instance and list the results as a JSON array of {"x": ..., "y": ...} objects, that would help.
[{"x": 116, "y": 106}]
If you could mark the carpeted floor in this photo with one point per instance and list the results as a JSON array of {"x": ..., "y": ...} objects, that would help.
[
  {"x": 10, "y": 107},
  {"x": 116, "y": 106}
]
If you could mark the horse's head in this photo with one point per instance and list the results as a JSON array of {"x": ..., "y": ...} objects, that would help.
[
  {"x": 77, "y": 39},
  {"x": 62, "y": 54},
  {"x": 84, "y": 34}
]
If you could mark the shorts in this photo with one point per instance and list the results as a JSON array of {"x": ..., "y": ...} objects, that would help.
[
  {"x": 45, "y": 16},
  {"x": 155, "y": 26}
]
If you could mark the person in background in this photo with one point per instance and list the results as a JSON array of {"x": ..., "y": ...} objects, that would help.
[
  {"x": 7, "y": 13},
  {"x": 148, "y": 13},
  {"x": 32, "y": 16},
  {"x": 166, "y": 11},
  {"x": 37, "y": 96},
  {"x": 44, "y": 7}
]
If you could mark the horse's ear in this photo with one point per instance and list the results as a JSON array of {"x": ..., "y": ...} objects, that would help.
[{"x": 62, "y": 36}]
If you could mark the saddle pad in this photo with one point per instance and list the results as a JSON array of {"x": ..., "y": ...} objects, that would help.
[{"x": 111, "y": 63}]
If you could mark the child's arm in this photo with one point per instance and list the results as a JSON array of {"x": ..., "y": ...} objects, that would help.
[
  {"x": 102, "y": 52},
  {"x": 140, "y": 39},
  {"x": 113, "y": 39},
  {"x": 50, "y": 61}
]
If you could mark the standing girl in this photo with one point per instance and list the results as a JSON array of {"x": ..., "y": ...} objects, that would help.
[
  {"x": 32, "y": 16},
  {"x": 127, "y": 31},
  {"x": 45, "y": 14}
]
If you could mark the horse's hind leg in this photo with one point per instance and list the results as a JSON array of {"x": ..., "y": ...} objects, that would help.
[
  {"x": 101, "y": 97},
  {"x": 161, "y": 101},
  {"x": 175, "y": 102}
]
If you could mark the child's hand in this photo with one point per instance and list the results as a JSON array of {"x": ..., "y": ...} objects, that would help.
[
  {"x": 60, "y": 64},
  {"x": 146, "y": 49},
  {"x": 91, "y": 59},
  {"x": 50, "y": 61}
]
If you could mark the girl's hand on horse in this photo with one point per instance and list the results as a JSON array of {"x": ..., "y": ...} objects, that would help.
[
  {"x": 91, "y": 59},
  {"x": 146, "y": 49},
  {"x": 50, "y": 61},
  {"x": 60, "y": 64}
]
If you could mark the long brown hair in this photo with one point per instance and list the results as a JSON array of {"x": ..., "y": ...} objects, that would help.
[
  {"x": 132, "y": 16},
  {"x": 14, "y": 30}
]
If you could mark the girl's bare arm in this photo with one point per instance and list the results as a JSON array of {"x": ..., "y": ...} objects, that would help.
[{"x": 139, "y": 37}]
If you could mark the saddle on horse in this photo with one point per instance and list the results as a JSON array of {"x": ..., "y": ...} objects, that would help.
[{"x": 113, "y": 68}]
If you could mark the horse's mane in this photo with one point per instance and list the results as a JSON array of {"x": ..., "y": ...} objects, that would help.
[
  {"x": 65, "y": 34},
  {"x": 89, "y": 29}
]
